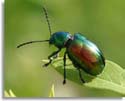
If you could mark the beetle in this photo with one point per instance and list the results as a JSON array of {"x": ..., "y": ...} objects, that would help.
[{"x": 83, "y": 53}]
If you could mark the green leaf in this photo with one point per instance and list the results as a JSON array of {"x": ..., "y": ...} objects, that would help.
[
  {"x": 112, "y": 77},
  {"x": 9, "y": 93},
  {"x": 52, "y": 92}
]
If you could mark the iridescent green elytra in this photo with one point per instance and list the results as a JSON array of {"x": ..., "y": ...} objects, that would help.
[{"x": 83, "y": 53}]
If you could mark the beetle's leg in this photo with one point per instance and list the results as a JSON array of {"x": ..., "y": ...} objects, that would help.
[
  {"x": 54, "y": 55},
  {"x": 64, "y": 59},
  {"x": 80, "y": 75}
]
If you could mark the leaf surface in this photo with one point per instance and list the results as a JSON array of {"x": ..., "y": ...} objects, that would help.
[{"x": 112, "y": 77}]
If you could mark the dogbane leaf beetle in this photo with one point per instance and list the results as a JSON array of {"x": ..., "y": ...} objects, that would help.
[{"x": 83, "y": 53}]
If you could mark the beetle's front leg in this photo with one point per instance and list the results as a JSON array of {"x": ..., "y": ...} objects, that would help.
[{"x": 51, "y": 57}]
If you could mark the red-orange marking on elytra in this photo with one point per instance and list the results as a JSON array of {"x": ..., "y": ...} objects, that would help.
[{"x": 84, "y": 55}]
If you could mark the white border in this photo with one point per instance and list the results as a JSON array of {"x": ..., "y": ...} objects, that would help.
[
  {"x": 1, "y": 56},
  {"x": 1, "y": 69}
]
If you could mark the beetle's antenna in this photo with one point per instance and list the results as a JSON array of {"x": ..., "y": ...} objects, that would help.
[
  {"x": 31, "y": 42},
  {"x": 47, "y": 19}
]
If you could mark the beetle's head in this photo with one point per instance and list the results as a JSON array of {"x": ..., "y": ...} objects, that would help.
[{"x": 59, "y": 39}]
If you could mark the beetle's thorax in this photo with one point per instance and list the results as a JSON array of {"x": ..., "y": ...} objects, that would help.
[{"x": 60, "y": 39}]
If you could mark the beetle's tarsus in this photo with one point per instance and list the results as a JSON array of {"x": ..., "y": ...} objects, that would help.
[
  {"x": 45, "y": 65},
  {"x": 83, "y": 81},
  {"x": 80, "y": 75},
  {"x": 64, "y": 81},
  {"x": 51, "y": 57}
]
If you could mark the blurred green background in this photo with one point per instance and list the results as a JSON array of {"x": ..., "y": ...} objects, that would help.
[{"x": 102, "y": 21}]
